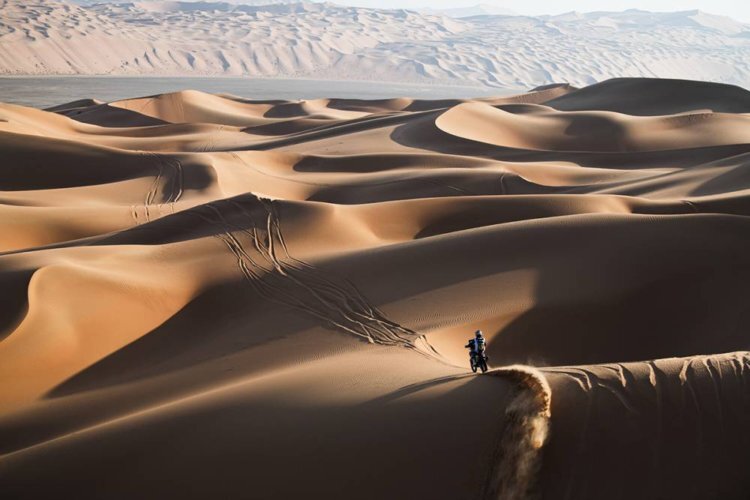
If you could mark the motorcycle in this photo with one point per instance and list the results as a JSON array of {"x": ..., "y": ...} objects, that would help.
[{"x": 478, "y": 360}]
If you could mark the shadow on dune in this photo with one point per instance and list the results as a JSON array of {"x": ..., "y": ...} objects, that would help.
[
  {"x": 13, "y": 297},
  {"x": 662, "y": 319},
  {"x": 608, "y": 287},
  {"x": 189, "y": 224},
  {"x": 332, "y": 130},
  {"x": 639, "y": 291},
  {"x": 234, "y": 442},
  {"x": 239, "y": 213},
  {"x": 105, "y": 115},
  {"x": 217, "y": 324},
  {"x": 371, "y": 163},
  {"x": 424, "y": 134},
  {"x": 659, "y": 421},
  {"x": 421, "y": 386},
  {"x": 290, "y": 126},
  {"x": 286, "y": 109},
  {"x": 35, "y": 166},
  {"x": 654, "y": 96},
  {"x": 78, "y": 105},
  {"x": 737, "y": 178}
]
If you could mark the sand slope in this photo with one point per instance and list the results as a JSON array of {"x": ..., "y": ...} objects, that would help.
[
  {"x": 207, "y": 296},
  {"x": 332, "y": 42}
]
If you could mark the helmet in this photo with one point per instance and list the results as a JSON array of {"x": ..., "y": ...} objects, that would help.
[{"x": 478, "y": 333}]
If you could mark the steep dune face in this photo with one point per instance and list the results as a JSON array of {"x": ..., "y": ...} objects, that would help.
[
  {"x": 327, "y": 41},
  {"x": 537, "y": 128},
  {"x": 214, "y": 293},
  {"x": 655, "y": 97},
  {"x": 670, "y": 419}
]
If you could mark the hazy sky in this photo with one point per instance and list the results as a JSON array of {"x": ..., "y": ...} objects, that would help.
[{"x": 737, "y": 9}]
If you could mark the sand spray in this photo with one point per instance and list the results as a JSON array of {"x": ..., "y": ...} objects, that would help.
[{"x": 517, "y": 456}]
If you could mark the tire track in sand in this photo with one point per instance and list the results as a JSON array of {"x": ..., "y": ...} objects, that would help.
[
  {"x": 266, "y": 264},
  {"x": 176, "y": 187}
]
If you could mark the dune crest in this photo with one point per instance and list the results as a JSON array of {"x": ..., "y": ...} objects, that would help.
[{"x": 211, "y": 292}]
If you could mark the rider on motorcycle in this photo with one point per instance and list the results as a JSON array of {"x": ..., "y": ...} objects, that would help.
[{"x": 476, "y": 346}]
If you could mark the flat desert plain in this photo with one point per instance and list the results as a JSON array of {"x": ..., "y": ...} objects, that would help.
[{"x": 209, "y": 297}]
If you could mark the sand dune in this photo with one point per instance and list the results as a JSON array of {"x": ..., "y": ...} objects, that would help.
[
  {"x": 209, "y": 296},
  {"x": 659, "y": 421},
  {"x": 331, "y": 42}
]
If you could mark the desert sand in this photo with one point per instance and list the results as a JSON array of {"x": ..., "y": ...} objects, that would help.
[
  {"x": 326, "y": 41},
  {"x": 210, "y": 297}
]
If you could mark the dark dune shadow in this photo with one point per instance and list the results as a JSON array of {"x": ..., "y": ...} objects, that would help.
[
  {"x": 190, "y": 224},
  {"x": 434, "y": 185},
  {"x": 335, "y": 129},
  {"x": 245, "y": 100},
  {"x": 698, "y": 307},
  {"x": 216, "y": 324},
  {"x": 290, "y": 126},
  {"x": 424, "y": 134},
  {"x": 737, "y": 178},
  {"x": 596, "y": 134},
  {"x": 735, "y": 204},
  {"x": 639, "y": 186},
  {"x": 53, "y": 164},
  {"x": 69, "y": 107},
  {"x": 484, "y": 215},
  {"x": 421, "y": 386},
  {"x": 438, "y": 182},
  {"x": 654, "y": 96},
  {"x": 287, "y": 109},
  {"x": 382, "y": 162},
  {"x": 13, "y": 297},
  {"x": 355, "y": 163},
  {"x": 105, "y": 115},
  {"x": 238, "y": 213},
  {"x": 36, "y": 165},
  {"x": 208, "y": 452},
  {"x": 430, "y": 105},
  {"x": 172, "y": 228},
  {"x": 683, "y": 292}
]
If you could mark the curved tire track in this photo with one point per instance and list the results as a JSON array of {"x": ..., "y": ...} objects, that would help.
[
  {"x": 266, "y": 264},
  {"x": 176, "y": 184}
]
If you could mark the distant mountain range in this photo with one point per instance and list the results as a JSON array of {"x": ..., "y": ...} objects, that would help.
[{"x": 475, "y": 46}]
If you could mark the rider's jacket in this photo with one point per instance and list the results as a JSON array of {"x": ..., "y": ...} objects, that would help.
[{"x": 476, "y": 344}]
